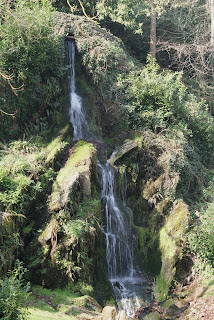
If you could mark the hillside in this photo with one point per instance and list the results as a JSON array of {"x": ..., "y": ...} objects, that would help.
[{"x": 106, "y": 176}]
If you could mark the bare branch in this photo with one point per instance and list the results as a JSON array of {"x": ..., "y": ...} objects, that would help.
[{"x": 9, "y": 78}]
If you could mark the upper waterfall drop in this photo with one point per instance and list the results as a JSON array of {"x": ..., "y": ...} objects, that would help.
[{"x": 76, "y": 112}]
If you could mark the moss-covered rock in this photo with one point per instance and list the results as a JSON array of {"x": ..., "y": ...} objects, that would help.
[
  {"x": 77, "y": 170},
  {"x": 48, "y": 232},
  {"x": 172, "y": 237},
  {"x": 56, "y": 148},
  {"x": 127, "y": 147},
  {"x": 71, "y": 230},
  {"x": 89, "y": 302},
  {"x": 152, "y": 316}
]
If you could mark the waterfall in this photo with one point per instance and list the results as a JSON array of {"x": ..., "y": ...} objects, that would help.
[
  {"x": 119, "y": 238},
  {"x": 128, "y": 285},
  {"x": 119, "y": 243},
  {"x": 76, "y": 113}
]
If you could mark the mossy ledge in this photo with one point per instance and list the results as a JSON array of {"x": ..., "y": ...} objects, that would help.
[{"x": 77, "y": 170}]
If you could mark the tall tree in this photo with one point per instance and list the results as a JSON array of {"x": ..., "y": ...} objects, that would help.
[
  {"x": 132, "y": 13},
  {"x": 212, "y": 21},
  {"x": 153, "y": 38},
  {"x": 186, "y": 33}
]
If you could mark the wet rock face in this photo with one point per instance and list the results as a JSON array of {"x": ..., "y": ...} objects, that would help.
[{"x": 158, "y": 220}]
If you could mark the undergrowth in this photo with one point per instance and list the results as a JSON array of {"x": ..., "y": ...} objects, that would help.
[{"x": 201, "y": 233}]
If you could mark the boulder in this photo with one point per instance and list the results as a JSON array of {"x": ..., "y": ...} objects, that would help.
[
  {"x": 126, "y": 148},
  {"x": 152, "y": 316},
  {"x": 77, "y": 171},
  {"x": 172, "y": 312},
  {"x": 109, "y": 313},
  {"x": 88, "y": 301}
]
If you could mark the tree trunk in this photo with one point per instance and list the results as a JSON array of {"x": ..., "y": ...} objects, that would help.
[
  {"x": 153, "y": 29},
  {"x": 212, "y": 21}
]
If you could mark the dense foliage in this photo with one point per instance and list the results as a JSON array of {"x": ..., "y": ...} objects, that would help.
[
  {"x": 158, "y": 100},
  {"x": 183, "y": 33},
  {"x": 13, "y": 293},
  {"x": 201, "y": 234},
  {"x": 30, "y": 65},
  {"x": 22, "y": 179}
]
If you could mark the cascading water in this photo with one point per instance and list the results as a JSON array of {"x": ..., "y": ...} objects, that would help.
[
  {"x": 77, "y": 115},
  {"x": 119, "y": 238},
  {"x": 128, "y": 287}
]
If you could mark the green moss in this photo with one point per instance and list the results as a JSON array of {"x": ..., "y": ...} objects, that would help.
[
  {"x": 152, "y": 316},
  {"x": 141, "y": 234},
  {"x": 171, "y": 237},
  {"x": 161, "y": 288},
  {"x": 154, "y": 258},
  {"x": 82, "y": 152},
  {"x": 168, "y": 303},
  {"x": 58, "y": 145},
  {"x": 140, "y": 141},
  {"x": 148, "y": 256},
  {"x": 87, "y": 301},
  {"x": 47, "y": 232}
]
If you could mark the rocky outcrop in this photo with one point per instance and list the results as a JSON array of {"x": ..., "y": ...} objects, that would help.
[
  {"x": 78, "y": 170},
  {"x": 159, "y": 220},
  {"x": 127, "y": 147},
  {"x": 67, "y": 243}
]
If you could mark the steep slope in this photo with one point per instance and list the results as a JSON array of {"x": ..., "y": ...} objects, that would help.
[{"x": 170, "y": 141}]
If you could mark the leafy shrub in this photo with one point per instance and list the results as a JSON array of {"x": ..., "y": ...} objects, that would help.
[
  {"x": 79, "y": 231},
  {"x": 20, "y": 165},
  {"x": 201, "y": 237},
  {"x": 158, "y": 100},
  {"x": 23, "y": 178},
  {"x": 13, "y": 292}
]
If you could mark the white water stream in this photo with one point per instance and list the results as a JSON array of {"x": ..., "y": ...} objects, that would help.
[
  {"x": 76, "y": 112},
  {"x": 129, "y": 287},
  {"x": 120, "y": 243}
]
